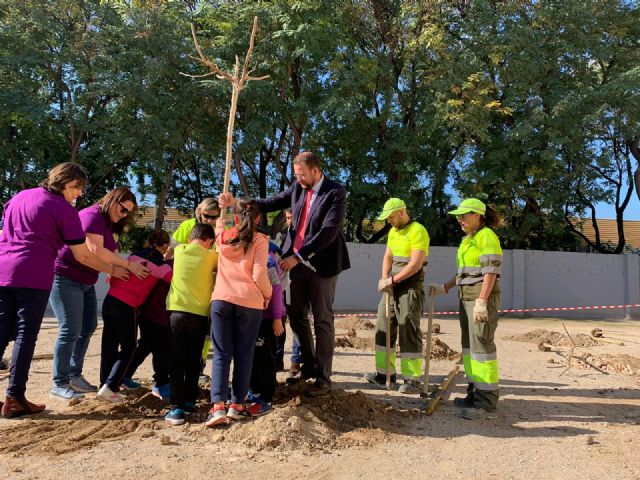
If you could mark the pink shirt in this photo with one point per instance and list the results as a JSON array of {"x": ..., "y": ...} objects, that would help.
[
  {"x": 134, "y": 292},
  {"x": 242, "y": 278}
]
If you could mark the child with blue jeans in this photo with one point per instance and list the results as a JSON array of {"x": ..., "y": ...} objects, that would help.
[
  {"x": 241, "y": 293},
  {"x": 263, "y": 373}
]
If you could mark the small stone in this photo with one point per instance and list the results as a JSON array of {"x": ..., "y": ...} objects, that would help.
[
  {"x": 590, "y": 440},
  {"x": 295, "y": 423},
  {"x": 165, "y": 440},
  {"x": 74, "y": 401}
]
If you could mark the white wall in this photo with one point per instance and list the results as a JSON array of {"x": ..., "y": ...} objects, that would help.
[{"x": 530, "y": 279}]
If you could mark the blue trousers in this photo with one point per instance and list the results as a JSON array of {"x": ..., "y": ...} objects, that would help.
[
  {"x": 21, "y": 312},
  {"x": 234, "y": 330},
  {"x": 75, "y": 306}
]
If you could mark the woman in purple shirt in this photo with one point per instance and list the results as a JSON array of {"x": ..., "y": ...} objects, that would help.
[
  {"x": 36, "y": 224},
  {"x": 73, "y": 297}
]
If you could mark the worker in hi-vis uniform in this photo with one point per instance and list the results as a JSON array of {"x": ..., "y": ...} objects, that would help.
[
  {"x": 403, "y": 265},
  {"x": 479, "y": 262}
]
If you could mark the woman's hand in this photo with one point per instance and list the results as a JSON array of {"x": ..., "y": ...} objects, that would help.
[
  {"x": 278, "y": 328},
  {"x": 138, "y": 269},
  {"x": 119, "y": 272}
]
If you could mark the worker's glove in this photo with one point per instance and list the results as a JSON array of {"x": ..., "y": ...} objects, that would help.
[
  {"x": 385, "y": 285},
  {"x": 480, "y": 313},
  {"x": 437, "y": 289}
]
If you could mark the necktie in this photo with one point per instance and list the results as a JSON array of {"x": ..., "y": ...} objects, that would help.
[{"x": 302, "y": 223}]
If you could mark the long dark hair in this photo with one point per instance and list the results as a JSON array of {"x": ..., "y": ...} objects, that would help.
[
  {"x": 491, "y": 217},
  {"x": 247, "y": 212},
  {"x": 118, "y": 195}
]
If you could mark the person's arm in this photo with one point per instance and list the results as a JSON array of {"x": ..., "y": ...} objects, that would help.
[
  {"x": 488, "y": 281},
  {"x": 387, "y": 261},
  {"x": 331, "y": 224},
  {"x": 95, "y": 243},
  {"x": 260, "y": 274},
  {"x": 416, "y": 263},
  {"x": 83, "y": 255},
  {"x": 278, "y": 202}
]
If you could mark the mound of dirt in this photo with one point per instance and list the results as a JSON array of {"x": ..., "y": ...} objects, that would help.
[
  {"x": 355, "y": 322},
  {"x": 442, "y": 351},
  {"x": 613, "y": 363},
  {"x": 557, "y": 339},
  {"x": 356, "y": 342},
  {"x": 338, "y": 420}
]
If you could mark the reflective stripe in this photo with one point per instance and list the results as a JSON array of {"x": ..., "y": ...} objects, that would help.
[
  {"x": 469, "y": 270},
  {"x": 490, "y": 258},
  {"x": 487, "y": 386},
  {"x": 484, "y": 357},
  {"x": 382, "y": 348},
  {"x": 399, "y": 259},
  {"x": 497, "y": 270},
  {"x": 484, "y": 372},
  {"x": 466, "y": 351},
  {"x": 468, "y": 280},
  {"x": 410, "y": 356}
]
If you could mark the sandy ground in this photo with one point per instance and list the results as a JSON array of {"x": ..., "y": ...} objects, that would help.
[{"x": 582, "y": 422}]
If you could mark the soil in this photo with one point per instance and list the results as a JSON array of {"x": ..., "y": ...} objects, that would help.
[
  {"x": 542, "y": 336},
  {"x": 355, "y": 322},
  {"x": 358, "y": 430}
]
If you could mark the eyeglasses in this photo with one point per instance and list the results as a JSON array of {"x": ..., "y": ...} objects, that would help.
[
  {"x": 124, "y": 210},
  {"x": 299, "y": 175},
  {"x": 210, "y": 217}
]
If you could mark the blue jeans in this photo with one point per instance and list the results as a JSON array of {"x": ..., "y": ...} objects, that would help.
[
  {"x": 21, "y": 313},
  {"x": 296, "y": 356},
  {"x": 75, "y": 306},
  {"x": 234, "y": 330}
]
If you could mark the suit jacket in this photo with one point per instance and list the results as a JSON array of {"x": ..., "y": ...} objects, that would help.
[{"x": 324, "y": 244}]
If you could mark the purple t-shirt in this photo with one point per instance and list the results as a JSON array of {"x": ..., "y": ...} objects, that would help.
[
  {"x": 93, "y": 221},
  {"x": 37, "y": 223}
]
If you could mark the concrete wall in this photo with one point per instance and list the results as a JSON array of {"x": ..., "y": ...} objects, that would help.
[{"x": 530, "y": 279}]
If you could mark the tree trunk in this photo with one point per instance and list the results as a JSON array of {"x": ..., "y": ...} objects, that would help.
[{"x": 161, "y": 200}]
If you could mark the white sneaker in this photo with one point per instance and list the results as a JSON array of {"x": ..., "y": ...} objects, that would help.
[{"x": 106, "y": 394}]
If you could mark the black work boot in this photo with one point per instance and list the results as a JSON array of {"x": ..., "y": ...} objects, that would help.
[{"x": 465, "y": 402}]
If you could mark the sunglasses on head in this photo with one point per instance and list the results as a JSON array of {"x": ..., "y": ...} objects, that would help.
[
  {"x": 210, "y": 217},
  {"x": 124, "y": 210}
]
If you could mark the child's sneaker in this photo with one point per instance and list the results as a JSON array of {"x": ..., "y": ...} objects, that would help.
[
  {"x": 237, "y": 411},
  {"x": 130, "y": 384},
  {"x": 252, "y": 397},
  {"x": 175, "y": 416},
  {"x": 105, "y": 393},
  {"x": 259, "y": 408},
  {"x": 163, "y": 392},
  {"x": 217, "y": 416}
]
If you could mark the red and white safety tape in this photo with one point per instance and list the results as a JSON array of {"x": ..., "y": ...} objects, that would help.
[{"x": 513, "y": 310}]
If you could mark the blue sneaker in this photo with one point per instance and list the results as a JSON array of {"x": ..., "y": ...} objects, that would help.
[
  {"x": 175, "y": 416},
  {"x": 259, "y": 408},
  {"x": 252, "y": 397},
  {"x": 163, "y": 392},
  {"x": 130, "y": 384}
]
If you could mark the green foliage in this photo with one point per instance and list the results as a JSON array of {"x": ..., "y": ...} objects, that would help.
[{"x": 533, "y": 106}]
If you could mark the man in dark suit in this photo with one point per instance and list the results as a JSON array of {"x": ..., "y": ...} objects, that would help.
[{"x": 314, "y": 252}]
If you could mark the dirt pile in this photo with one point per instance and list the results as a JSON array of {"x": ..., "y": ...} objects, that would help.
[
  {"x": 354, "y": 322},
  {"x": 358, "y": 343},
  {"x": 611, "y": 363},
  {"x": 338, "y": 420},
  {"x": 442, "y": 351},
  {"x": 82, "y": 425},
  {"x": 557, "y": 339}
]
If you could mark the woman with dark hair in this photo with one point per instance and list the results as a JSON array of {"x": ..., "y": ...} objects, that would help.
[
  {"x": 241, "y": 293},
  {"x": 73, "y": 297},
  {"x": 479, "y": 262},
  {"x": 120, "y": 317},
  {"x": 37, "y": 223}
]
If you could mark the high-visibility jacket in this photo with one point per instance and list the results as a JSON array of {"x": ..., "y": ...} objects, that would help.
[
  {"x": 402, "y": 242},
  {"x": 478, "y": 254}
]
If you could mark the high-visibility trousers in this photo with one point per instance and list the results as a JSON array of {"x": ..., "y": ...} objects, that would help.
[
  {"x": 479, "y": 353},
  {"x": 406, "y": 310}
]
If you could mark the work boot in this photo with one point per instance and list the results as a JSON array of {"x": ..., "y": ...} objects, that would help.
[
  {"x": 14, "y": 407},
  {"x": 379, "y": 379},
  {"x": 465, "y": 402},
  {"x": 477, "y": 413},
  {"x": 410, "y": 387}
]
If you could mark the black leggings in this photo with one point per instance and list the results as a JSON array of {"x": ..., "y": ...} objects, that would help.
[{"x": 120, "y": 330}]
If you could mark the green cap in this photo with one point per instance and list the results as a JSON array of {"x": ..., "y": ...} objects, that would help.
[
  {"x": 390, "y": 206},
  {"x": 470, "y": 205}
]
